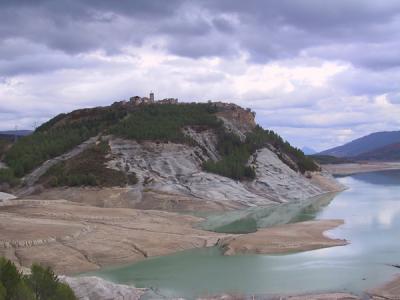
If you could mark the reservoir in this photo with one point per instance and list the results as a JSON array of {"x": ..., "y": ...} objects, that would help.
[{"x": 370, "y": 208}]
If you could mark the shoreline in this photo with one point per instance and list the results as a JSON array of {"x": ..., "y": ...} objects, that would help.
[
  {"x": 93, "y": 288},
  {"x": 90, "y": 238},
  {"x": 363, "y": 167}
]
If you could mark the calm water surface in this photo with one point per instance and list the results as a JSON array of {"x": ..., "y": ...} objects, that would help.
[{"x": 371, "y": 210}]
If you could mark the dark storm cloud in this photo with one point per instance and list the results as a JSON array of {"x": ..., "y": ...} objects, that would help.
[{"x": 266, "y": 30}]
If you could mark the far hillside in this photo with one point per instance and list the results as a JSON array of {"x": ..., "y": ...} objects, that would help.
[
  {"x": 387, "y": 153},
  {"x": 11, "y": 135},
  {"x": 378, "y": 146}
]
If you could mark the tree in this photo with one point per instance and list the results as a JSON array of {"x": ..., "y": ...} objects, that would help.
[
  {"x": 46, "y": 285},
  {"x": 43, "y": 282}
]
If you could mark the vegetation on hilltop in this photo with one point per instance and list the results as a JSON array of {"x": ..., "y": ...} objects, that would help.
[
  {"x": 164, "y": 122},
  {"x": 51, "y": 139},
  {"x": 87, "y": 169},
  {"x": 41, "y": 284}
]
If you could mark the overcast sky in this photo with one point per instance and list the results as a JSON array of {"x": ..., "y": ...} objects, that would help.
[{"x": 319, "y": 72}]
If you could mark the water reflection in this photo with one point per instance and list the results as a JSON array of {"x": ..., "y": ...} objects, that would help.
[
  {"x": 260, "y": 217},
  {"x": 371, "y": 211}
]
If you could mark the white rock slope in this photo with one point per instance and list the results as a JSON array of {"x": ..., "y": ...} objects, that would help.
[{"x": 176, "y": 169}]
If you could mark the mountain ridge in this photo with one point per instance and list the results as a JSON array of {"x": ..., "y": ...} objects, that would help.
[{"x": 364, "y": 144}]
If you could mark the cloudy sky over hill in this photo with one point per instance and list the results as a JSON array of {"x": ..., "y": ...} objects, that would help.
[{"x": 318, "y": 72}]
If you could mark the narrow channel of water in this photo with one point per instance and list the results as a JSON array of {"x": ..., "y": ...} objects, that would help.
[{"x": 371, "y": 211}]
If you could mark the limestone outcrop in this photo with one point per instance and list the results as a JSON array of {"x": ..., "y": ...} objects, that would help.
[{"x": 176, "y": 169}]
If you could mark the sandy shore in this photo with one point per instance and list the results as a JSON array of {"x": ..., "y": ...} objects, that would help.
[
  {"x": 287, "y": 238},
  {"x": 388, "y": 291},
  {"x": 88, "y": 238},
  {"x": 353, "y": 168}
]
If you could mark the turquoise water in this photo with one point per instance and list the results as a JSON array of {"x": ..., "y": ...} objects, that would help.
[{"x": 371, "y": 210}]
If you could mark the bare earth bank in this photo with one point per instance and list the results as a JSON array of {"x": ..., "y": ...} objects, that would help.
[
  {"x": 88, "y": 238},
  {"x": 287, "y": 238}
]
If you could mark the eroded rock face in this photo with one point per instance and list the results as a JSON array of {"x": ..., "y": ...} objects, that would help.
[
  {"x": 277, "y": 179},
  {"x": 175, "y": 169}
]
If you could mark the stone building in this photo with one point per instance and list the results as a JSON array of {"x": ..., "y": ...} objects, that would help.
[
  {"x": 168, "y": 101},
  {"x": 136, "y": 100}
]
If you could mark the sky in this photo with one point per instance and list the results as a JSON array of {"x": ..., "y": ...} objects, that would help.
[{"x": 320, "y": 73}]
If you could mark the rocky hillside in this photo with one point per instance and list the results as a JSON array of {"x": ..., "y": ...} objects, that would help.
[{"x": 162, "y": 156}]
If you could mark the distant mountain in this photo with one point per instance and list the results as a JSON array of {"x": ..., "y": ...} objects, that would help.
[
  {"x": 10, "y": 135},
  {"x": 387, "y": 153},
  {"x": 17, "y": 132},
  {"x": 308, "y": 150},
  {"x": 364, "y": 144}
]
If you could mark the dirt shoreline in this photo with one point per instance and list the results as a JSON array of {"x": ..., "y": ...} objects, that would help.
[{"x": 353, "y": 168}]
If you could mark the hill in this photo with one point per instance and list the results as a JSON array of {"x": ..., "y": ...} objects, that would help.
[
  {"x": 387, "y": 153},
  {"x": 161, "y": 153},
  {"x": 11, "y": 135},
  {"x": 364, "y": 144}
]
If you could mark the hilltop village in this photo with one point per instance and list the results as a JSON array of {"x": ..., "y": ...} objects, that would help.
[{"x": 137, "y": 100}]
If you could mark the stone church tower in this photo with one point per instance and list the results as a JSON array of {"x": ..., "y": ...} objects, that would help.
[{"x": 151, "y": 97}]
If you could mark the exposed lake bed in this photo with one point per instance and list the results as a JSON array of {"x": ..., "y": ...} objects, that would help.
[{"x": 370, "y": 208}]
